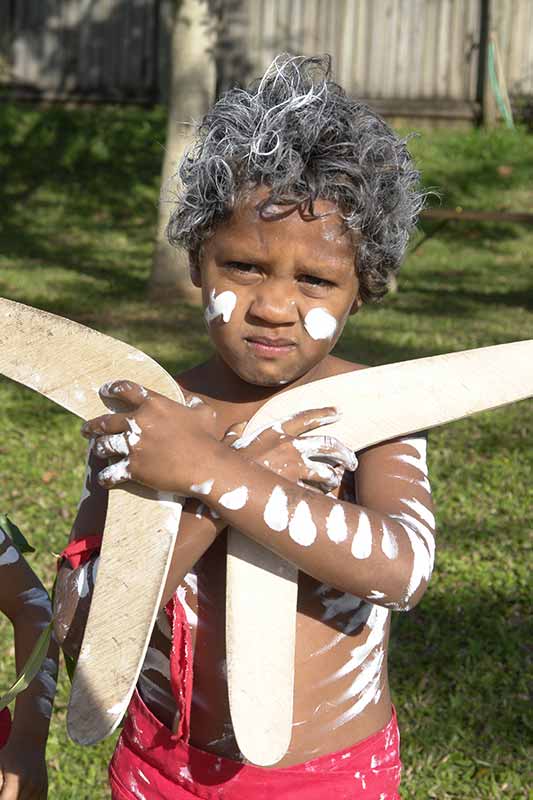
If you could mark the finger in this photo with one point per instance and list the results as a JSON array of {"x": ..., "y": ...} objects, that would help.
[
  {"x": 235, "y": 431},
  {"x": 327, "y": 448},
  {"x": 115, "y": 445},
  {"x": 309, "y": 420},
  {"x": 126, "y": 391},
  {"x": 115, "y": 474},
  {"x": 323, "y": 474},
  {"x": 105, "y": 425}
]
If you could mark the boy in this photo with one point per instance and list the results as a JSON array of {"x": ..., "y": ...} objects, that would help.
[
  {"x": 296, "y": 208},
  {"x": 25, "y": 602}
]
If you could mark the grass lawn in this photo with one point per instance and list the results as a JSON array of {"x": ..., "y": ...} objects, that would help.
[{"x": 79, "y": 192}]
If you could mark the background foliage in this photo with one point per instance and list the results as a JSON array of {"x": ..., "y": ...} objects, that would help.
[{"x": 78, "y": 191}]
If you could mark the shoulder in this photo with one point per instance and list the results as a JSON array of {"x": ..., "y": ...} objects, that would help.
[{"x": 339, "y": 366}]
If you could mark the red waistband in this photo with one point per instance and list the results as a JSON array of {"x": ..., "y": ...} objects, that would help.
[{"x": 149, "y": 759}]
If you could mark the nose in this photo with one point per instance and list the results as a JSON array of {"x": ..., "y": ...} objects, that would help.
[{"x": 274, "y": 303}]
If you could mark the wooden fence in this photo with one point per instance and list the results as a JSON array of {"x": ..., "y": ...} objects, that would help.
[{"x": 405, "y": 56}]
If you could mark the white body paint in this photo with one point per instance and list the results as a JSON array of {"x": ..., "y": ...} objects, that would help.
[
  {"x": 235, "y": 499},
  {"x": 202, "y": 488},
  {"x": 36, "y": 597},
  {"x": 9, "y": 556},
  {"x": 389, "y": 545},
  {"x": 362, "y": 541},
  {"x": 302, "y": 529},
  {"x": 276, "y": 514},
  {"x": 115, "y": 473},
  {"x": 220, "y": 306},
  {"x": 320, "y": 324},
  {"x": 134, "y": 433},
  {"x": 336, "y": 527}
]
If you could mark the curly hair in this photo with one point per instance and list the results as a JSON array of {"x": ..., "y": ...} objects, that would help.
[{"x": 297, "y": 132}]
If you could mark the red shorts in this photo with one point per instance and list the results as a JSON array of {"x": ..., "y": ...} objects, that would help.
[{"x": 152, "y": 763}]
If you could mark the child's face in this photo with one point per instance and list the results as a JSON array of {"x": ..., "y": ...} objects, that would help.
[{"x": 277, "y": 293}]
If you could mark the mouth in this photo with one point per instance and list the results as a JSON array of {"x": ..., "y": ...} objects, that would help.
[{"x": 270, "y": 346}]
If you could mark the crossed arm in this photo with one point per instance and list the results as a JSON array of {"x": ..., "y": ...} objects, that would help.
[{"x": 379, "y": 546}]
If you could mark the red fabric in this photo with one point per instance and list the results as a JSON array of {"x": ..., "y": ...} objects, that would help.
[
  {"x": 150, "y": 763},
  {"x": 153, "y": 763},
  {"x": 79, "y": 551},
  {"x": 5, "y": 726}
]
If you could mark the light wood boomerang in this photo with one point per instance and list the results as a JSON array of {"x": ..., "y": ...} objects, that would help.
[
  {"x": 376, "y": 404},
  {"x": 67, "y": 363}
]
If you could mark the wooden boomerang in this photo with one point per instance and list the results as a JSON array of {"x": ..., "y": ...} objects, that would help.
[
  {"x": 260, "y": 669},
  {"x": 67, "y": 363},
  {"x": 377, "y": 404}
]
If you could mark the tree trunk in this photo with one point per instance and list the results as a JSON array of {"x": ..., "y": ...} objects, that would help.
[{"x": 191, "y": 91}]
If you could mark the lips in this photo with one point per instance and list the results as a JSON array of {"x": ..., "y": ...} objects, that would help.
[{"x": 270, "y": 341}]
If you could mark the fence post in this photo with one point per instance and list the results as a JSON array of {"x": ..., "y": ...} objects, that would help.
[{"x": 484, "y": 94}]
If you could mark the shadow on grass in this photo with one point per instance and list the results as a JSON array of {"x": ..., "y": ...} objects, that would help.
[{"x": 458, "y": 663}]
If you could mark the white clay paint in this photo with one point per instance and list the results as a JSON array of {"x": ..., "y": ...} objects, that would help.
[
  {"x": 220, "y": 306},
  {"x": 336, "y": 527},
  {"x": 202, "y": 488},
  {"x": 36, "y": 597},
  {"x": 81, "y": 581},
  {"x": 246, "y": 439},
  {"x": 9, "y": 556},
  {"x": 389, "y": 545},
  {"x": 320, "y": 324},
  {"x": 302, "y": 529},
  {"x": 422, "y": 511},
  {"x": 375, "y": 621},
  {"x": 134, "y": 433},
  {"x": 115, "y": 473},
  {"x": 362, "y": 541},
  {"x": 276, "y": 514},
  {"x": 235, "y": 499},
  {"x": 344, "y": 604}
]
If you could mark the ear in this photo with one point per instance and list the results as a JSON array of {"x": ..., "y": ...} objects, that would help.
[
  {"x": 356, "y": 305},
  {"x": 194, "y": 270}
]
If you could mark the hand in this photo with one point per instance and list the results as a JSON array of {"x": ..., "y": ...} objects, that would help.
[
  {"x": 159, "y": 442},
  {"x": 23, "y": 772},
  {"x": 317, "y": 462}
]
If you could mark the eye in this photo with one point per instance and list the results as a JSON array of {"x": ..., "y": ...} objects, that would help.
[
  {"x": 314, "y": 280},
  {"x": 240, "y": 266}
]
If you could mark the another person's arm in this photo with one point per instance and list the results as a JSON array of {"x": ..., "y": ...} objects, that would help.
[{"x": 25, "y": 602}]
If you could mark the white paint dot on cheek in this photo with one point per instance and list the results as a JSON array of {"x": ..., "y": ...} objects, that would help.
[
  {"x": 235, "y": 499},
  {"x": 320, "y": 324},
  {"x": 302, "y": 529},
  {"x": 336, "y": 527},
  {"x": 276, "y": 514},
  {"x": 221, "y": 306},
  {"x": 362, "y": 541}
]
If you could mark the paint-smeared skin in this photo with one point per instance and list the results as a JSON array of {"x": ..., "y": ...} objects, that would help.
[{"x": 341, "y": 691}]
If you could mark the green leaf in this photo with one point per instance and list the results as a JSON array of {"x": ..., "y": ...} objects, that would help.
[
  {"x": 70, "y": 664},
  {"x": 30, "y": 668},
  {"x": 15, "y": 534}
]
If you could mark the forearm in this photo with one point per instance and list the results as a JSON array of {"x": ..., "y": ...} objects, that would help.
[
  {"x": 196, "y": 533},
  {"x": 362, "y": 551}
]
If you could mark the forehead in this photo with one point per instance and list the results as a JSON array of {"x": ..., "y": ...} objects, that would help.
[{"x": 324, "y": 236}]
